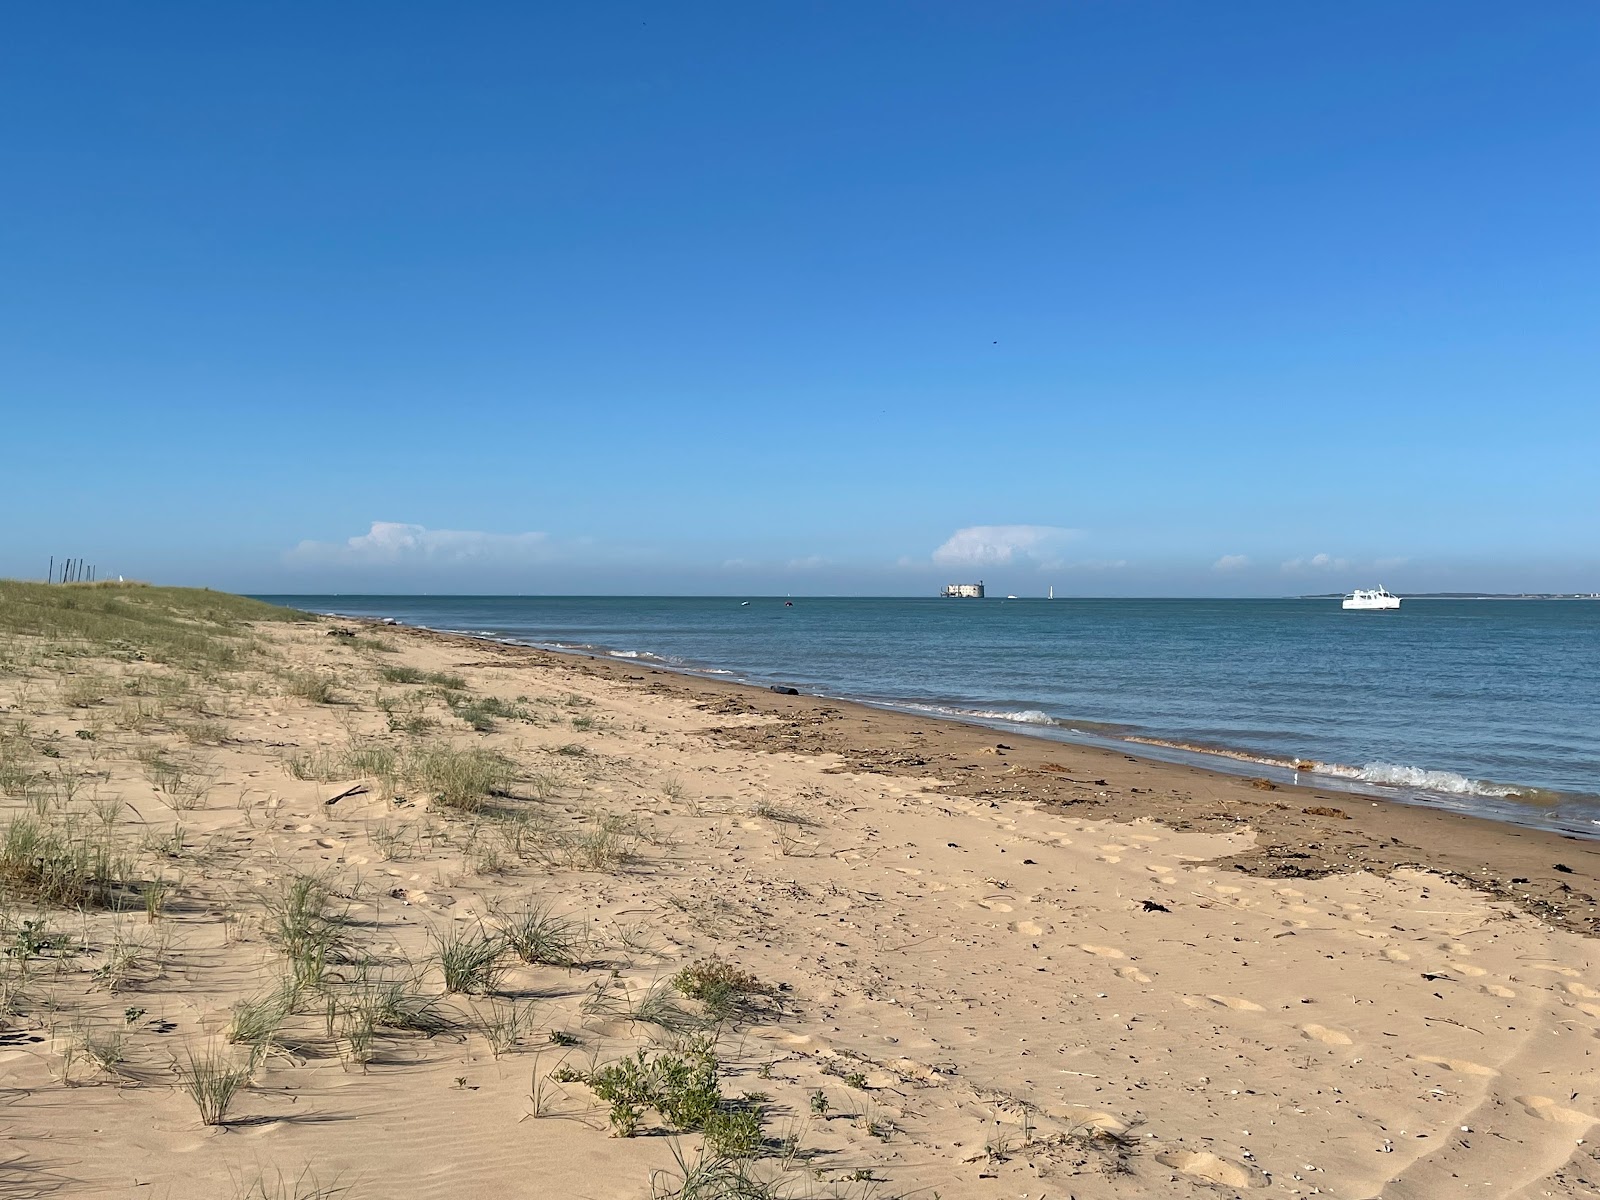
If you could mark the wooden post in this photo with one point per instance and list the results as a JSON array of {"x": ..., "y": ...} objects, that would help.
[{"x": 51, "y": 577}]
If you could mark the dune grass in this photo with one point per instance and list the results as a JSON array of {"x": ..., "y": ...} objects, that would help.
[
  {"x": 462, "y": 779},
  {"x": 184, "y": 627},
  {"x": 471, "y": 960},
  {"x": 212, "y": 1081},
  {"x": 64, "y": 862}
]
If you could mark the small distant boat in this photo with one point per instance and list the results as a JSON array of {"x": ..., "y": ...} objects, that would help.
[
  {"x": 1010, "y": 597},
  {"x": 1371, "y": 599}
]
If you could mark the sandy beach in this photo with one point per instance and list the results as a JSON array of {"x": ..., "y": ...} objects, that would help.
[{"x": 402, "y": 902}]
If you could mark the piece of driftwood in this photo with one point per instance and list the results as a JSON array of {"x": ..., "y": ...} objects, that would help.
[{"x": 359, "y": 789}]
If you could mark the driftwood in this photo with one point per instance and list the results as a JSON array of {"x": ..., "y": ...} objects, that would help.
[{"x": 358, "y": 789}]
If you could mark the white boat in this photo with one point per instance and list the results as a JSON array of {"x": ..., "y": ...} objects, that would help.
[{"x": 1371, "y": 599}]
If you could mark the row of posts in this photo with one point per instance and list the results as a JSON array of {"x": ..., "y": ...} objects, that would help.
[{"x": 73, "y": 570}]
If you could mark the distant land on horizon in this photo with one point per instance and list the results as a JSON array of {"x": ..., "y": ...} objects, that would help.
[{"x": 1471, "y": 596}]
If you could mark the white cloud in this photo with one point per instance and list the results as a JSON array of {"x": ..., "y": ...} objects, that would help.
[
  {"x": 397, "y": 543},
  {"x": 1003, "y": 545},
  {"x": 809, "y": 563},
  {"x": 1231, "y": 562},
  {"x": 1317, "y": 562}
]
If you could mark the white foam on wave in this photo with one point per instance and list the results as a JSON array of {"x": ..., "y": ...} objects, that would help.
[
  {"x": 627, "y": 654},
  {"x": 1400, "y": 775},
  {"x": 1021, "y": 716}
]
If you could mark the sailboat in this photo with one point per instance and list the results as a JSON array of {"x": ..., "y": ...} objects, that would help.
[{"x": 1052, "y": 594}]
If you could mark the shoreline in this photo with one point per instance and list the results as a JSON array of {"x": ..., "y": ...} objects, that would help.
[
  {"x": 1510, "y": 862},
  {"x": 1433, "y": 788}
]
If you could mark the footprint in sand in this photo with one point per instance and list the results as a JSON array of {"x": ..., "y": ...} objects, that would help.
[
  {"x": 1226, "y": 889},
  {"x": 1292, "y": 893},
  {"x": 1495, "y": 989},
  {"x": 995, "y": 905},
  {"x": 1134, "y": 974},
  {"x": 1466, "y": 969},
  {"x": 1460, "y": 1066},
  {"x": 1237, "y": 1003},
  {"x": 1143, "y": 837},
  {"x": 1395, "y": 954},
  {"x": 1580, "y": 989},
  {"x": 1031, "y": 928},
  {"x": 1202, "y": 1164},
  {"x": 1567, "y": 971},
  {"x": 1547, "y": 1109},
  {"x": 1328, "y": 1037},
  {"x": 1111, "y": 848},
  {"x": 1103, "y": 951}
]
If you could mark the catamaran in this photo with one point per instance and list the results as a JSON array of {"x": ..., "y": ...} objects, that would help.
[{"x": 1371, "y": 599}]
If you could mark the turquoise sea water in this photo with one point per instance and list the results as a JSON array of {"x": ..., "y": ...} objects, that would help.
[{"x": 1488, "y": 705}]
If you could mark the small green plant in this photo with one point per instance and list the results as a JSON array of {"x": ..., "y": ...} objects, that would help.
[
  {"x": 464, "y": 780},
  {"x": 62, "y": 862},
  {"x": 711, "y": 1177},
  {"x": 682, "y": 1088},
  {"x": 416, "y": 675},
  {"x": 819, "y": 1103},
  {"x": 154, "y": 894},
  {"x": 105, "y": 1049},
  {"x": 537, "y": 936},
  {"x": 605, "y": 845},
  {"x": 734, "y": 1133},
  {"x": 505, "y": 1026},
  {"x": 309, "y": 685},
  {"x": 305, "y": 929},
  {"x": 470, "y": 960},
  {"x": 256, "y": 1022},
  {"x": 723, "y": 988},
  {"x": 212, "y": 1082}
]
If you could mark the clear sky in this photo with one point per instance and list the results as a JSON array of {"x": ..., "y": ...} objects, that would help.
[{"x": 1125, "y": 298}]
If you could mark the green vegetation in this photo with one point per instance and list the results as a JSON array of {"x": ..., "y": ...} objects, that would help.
[
  {"x": 681, "y": 1088},
  {"x": 132, "y": 622},
  {"x": 64, "y": 862},
  {"x": 414, "y": 675},
  {"x": 465, "y": 780},
  {"x": 305, "y": 930},
  {"x": 536, "y": 936},
  {"x": 723, "y": 988},
  {"x": 212, "y": 1083},
  {"x": 470, "y": 960},
  {"x": 314, "y": 686}
]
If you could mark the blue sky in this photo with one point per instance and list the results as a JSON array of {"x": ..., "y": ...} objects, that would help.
[{"x": 1134, "y": 298}]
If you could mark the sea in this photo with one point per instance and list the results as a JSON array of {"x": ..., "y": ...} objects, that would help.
[{"x": 1485, "y": 706}]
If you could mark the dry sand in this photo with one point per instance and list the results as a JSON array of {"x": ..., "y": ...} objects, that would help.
[{"x": 1031, "y": 971}]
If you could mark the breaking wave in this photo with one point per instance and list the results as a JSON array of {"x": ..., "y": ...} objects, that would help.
[
  {"x": 1399, "y": 775},
  {"x": 1020, "y": 716},
  {"x": 1446, "y": 783}
]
